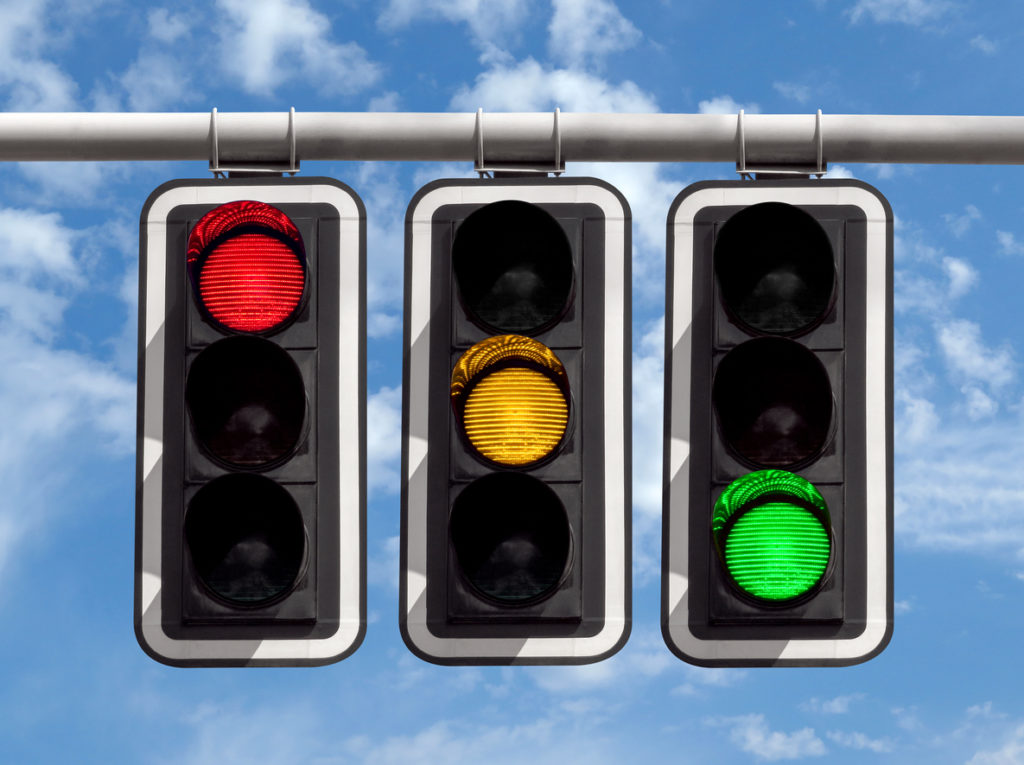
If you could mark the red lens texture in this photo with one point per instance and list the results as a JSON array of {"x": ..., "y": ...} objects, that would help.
[{"x": 251, "y": 266}]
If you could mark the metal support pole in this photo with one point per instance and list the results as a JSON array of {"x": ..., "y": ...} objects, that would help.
[{"x": 770, "y": 140}]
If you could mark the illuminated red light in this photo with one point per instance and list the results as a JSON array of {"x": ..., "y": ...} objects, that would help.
[{"x": 248, "y": 266}]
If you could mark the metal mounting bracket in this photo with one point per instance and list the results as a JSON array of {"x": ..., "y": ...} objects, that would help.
[
  {"x": 557, "y": 167},
  {"x": 222, "y": 169},
  {"x": 817, "y": 169}
]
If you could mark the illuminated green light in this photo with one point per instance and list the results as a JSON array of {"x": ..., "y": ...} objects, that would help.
[{"x": 771, "y": 528}]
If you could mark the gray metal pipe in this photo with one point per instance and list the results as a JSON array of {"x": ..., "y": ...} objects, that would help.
[{"x": 767, "y": 139}]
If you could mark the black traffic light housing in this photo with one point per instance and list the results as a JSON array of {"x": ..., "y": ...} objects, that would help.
[
  {"x": 250, "y": 529},
  {"x": 515, "y": 542},
  {"x": 777, "y": 539}
]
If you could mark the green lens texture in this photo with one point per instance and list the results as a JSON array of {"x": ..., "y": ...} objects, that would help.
[{"x": 776, "y": 550}]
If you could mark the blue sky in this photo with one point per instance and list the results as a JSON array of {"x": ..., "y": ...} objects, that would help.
[{"x": 75, "y": 686}]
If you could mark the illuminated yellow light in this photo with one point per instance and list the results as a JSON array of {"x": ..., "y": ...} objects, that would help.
[{"x": 511, "y": 393}]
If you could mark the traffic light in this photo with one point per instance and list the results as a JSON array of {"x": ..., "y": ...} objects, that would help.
[
  {"x": 250, "y": 527},
  {"x": 515, "y": 543},
  {"x": 778, "y": 424}
]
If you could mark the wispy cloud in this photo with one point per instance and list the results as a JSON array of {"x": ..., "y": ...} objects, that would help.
[
  {"x": 839, "y": 705},
  {"x": 30, "y": 79},
  {"x": 751, "y": 734},
  {"x": 56, "y": 399},
  {"x": 961, "y": 223},
  {"x": 584, "y": 32},
  {"x": 266, "y": 43},
  {"x": 912, "y": 12},
  {"x": 793, "y": 91},
  {"x": 726, "y": 105},
  {"x": 383, "y": 440},
  {"x": 859, "y": 741},
  {"x": 494, "y": 25},
  {"x": 530, "y": 86},
  {"x": 985, "y": 45}
]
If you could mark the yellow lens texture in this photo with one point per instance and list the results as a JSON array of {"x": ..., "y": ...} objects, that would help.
[{"x": 511, "y": 393}]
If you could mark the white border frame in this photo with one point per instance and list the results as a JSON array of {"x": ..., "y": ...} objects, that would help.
[
  {"x": 350, "y": 467},
  {"x": 616, "y": 622},
  {"x": 876, "y": 458}
]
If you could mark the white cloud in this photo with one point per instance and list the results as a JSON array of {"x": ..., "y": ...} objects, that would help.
[
  {"x": 793, "y": 91},
  {"x": 885, "y": 171},
  {"x": 752, "y": 735},
  {"x": 380, "y": 324},
  {"x": 1008, "y": 243},
  {"x": 913, "y": 12},
  {"x": 31, "y": 81},
  {"x": 385, "y": 102},
  {"x": 545, "y": 739},
  {"x": 916, "y": 418},
  {"x": 979, "y": 404},
  {"x": 1010, "y": 753},
  {"x": 970, "y": 361},
  {"x": 530, "y": 87},
  {"x": 928, "y": 294},
  {"x": 160, "y": 77},
  {"x": 840, "y": 705},
  {"x": 383, "y": 440},
  {"x": 266, "y": 43},
  {"x": 699, "y": 679},
  {"x": 839, "y": 171},
  {"x": 82, "y": 184},
  {"x": 966, "y": 353},
  {"x": 648, "y": 427},
  {"x": 156, "y": 81},
  {"x": 643, "y": 656},
  {"x": 385, "y": 199},
  {"x": 167, "y": 27},
  {"x": 493, "y": 24},
  {"x": 382, "y": 568},
  {"x": 55, "y": 400},
  {"x": 860, "y": 741},
  {"x": 219, "y": 734},
  {"x": 959, "y": 224},
  {"x": 927, "y": 282},
  {"x": 986, "y": 46},
  {"x": 961, "y": 275},
  {"x": 36, "y": 245},
  {"x": 11, "y": 530},
  {"x": 960, "y": 489},
  {"x": 948, "y": 429},
  {"x": 583, "y": 32},
  {"x": 581, "y": 679},
  {"x": 290, "y": 728},
  {"x": 726, "y": 105}
]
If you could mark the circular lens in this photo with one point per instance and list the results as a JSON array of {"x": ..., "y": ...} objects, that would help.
[
  {"x": 247, "y": 401},
  {"x": 510, "y": 535},
  {"x": 513, "y": 267},
  {"x": 247, "y": 265},
  {"x": 775, "y": 269},
  {"x": 510, "y": 395},
  {"x": 771, "y": 529},
  {"x": 246, "y": 539},
  {"x": 773, "y": 401}
]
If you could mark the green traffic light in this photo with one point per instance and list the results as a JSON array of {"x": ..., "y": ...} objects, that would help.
[{"x": 771, "y": 528}]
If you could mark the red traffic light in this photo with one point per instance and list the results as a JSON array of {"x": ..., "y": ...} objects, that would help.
[{"x": 248, "y": 266}]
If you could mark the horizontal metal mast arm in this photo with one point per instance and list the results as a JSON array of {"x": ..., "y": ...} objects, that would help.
[{"x": 767, "y": 139}]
